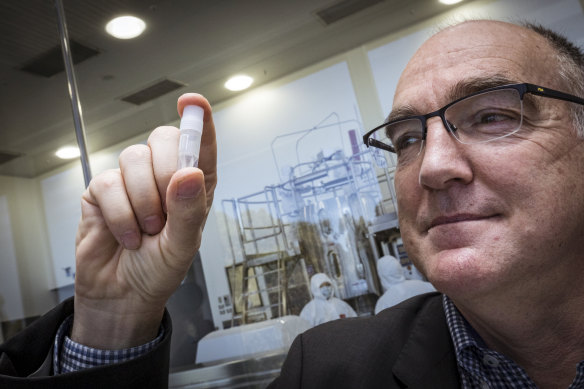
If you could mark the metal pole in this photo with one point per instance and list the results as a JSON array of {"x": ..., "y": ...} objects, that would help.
[{"x": 73, "y": 94}]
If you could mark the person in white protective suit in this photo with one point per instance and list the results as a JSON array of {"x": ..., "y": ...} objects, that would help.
[
  {"x": 397, "y": 288},
  {"x": 324, "y": 306}
]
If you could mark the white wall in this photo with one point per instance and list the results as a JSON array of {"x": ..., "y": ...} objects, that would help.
[
  {"x": 61, "y": 196},
  {"x": 30, "y": 269},
  {"x": 10, "y": 295}
]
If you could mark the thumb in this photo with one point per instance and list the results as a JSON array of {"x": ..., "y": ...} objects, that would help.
[{"x": 186, "y": 202}]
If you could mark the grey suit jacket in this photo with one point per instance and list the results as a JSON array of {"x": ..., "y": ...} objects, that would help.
[{"x": 406, "y": 346}]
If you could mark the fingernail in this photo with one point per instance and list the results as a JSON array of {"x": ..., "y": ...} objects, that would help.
[
  {"x": 152, "y": 224},
  {"x": 130, "y": 240},
  {"x": 188, "y": 189}
]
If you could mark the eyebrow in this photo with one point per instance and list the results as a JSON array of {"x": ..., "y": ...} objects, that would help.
[
  {"x": 464, "y": 88},
  {"x": 469, "y": 86},
  {"x": 402, "y": 112},
  {"x": 459, "y": 90}
]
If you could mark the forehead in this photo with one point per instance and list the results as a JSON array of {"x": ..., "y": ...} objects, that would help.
[{"x": 470, "y": 51}]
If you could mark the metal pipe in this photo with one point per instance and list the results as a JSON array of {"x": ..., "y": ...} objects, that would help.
[{"x": 73, "y": 94}]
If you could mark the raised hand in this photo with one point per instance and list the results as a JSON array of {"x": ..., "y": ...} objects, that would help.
[{"x": 141, "y": 226}]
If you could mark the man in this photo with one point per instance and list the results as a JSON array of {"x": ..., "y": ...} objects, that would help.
[
  {"x": 491, "y": 201},
  {"x": 141, "y": 226},
  {"x": 324, "y": 306}
]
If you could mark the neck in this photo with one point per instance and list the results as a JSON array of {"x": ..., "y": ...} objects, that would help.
[{"x": 542, "y": 334}]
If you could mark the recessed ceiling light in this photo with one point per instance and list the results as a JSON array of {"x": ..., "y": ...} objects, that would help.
[
  {"x": 449, "y": 2},
  {"x": 125, "y": 27},
  {"x": 237, "y": 83},
  {"x": 68, "y": 152}
]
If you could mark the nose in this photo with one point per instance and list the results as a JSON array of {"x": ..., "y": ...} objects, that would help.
[{"x": 443, "y": 162}]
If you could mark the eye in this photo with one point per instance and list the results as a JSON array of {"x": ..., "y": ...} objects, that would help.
[
  {"x": 406, "y": 141},
  {"x": 485, "y": 116},
  {"x": 496, "y": 121},
  {"x": 405, "y": 134},
  {"x": 493, "y": 117}
]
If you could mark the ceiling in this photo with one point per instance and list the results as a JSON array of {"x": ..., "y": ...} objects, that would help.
[{"x": 193, "y": 42}]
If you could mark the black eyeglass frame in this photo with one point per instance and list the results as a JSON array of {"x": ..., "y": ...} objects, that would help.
[{"x": 522, "y": 88}]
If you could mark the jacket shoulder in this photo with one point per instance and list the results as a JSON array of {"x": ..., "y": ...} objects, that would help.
[
  {"x": 366, "y": 334},
  {"x": 361, "y": 352}
]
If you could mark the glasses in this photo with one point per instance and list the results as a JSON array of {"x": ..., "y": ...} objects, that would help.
[{"x": 481, "y": 117}]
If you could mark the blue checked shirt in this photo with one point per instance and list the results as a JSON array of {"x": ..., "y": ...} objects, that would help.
[
  {"x": 69, "y": 356},
  {"x": 480, "y": 367}
]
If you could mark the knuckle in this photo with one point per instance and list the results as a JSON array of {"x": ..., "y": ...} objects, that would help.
[
  {"x": 106, "y": 180},
  {"x": 163, "y": 133},
  {"x": 135, "y": 153}
]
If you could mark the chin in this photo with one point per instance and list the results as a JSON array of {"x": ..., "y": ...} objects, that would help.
[{"x": 459, "y": 272}]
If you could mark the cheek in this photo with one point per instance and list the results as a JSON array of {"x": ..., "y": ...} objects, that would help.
[
  {"x": 408, "y": 192},
  {"x": 409, "y": 199},
  {"x": 413, "y": 247}
]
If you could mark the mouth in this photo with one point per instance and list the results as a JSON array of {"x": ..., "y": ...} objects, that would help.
[{"x": 442, "y": 220}]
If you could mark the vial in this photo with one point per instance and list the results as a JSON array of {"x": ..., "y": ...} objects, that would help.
[{"x": 191, "y": 131}]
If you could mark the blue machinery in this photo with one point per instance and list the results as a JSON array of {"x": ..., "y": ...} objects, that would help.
[{"x": 322, "y": 217}]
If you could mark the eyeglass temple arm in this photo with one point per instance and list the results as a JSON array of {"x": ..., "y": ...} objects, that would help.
[
  {"x": 375, "y": 143},
  {"x": 554, "y": 94}
]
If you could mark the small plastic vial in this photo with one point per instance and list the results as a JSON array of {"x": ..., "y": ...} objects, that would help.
[{"x": 191, "y": 130}]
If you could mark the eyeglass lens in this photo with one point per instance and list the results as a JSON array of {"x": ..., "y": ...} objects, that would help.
[{"x": 475, "y": 119}]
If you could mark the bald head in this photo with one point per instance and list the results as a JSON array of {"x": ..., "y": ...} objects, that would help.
[{"x": 486, "y": 48}]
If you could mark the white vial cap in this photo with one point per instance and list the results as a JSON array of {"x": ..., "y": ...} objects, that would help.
[{"x": 192, "y": 118}]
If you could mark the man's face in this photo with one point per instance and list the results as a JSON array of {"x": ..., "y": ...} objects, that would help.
[{"x": 500, "y": 217}]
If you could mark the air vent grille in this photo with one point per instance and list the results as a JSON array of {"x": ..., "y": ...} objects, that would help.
[
  {"x": 6, "y": 156},
  {"x": 152, "y": 92},
  {"x": 51, "y": 62},
  {"x": 344, "y": 8}
]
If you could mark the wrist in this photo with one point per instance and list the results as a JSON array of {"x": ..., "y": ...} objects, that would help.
[{"x": 98, "y": 326}]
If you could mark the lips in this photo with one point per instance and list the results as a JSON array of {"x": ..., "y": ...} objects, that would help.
[{"x": 441, "y": 220}]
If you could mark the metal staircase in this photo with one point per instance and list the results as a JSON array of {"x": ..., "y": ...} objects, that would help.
[{"x": 272, "y": 270}]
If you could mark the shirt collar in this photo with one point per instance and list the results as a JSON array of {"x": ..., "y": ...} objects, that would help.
[{"x": 461, "y": 332}]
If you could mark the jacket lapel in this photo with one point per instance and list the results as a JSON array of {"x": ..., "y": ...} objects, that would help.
[{"x": 427, "y": 359}]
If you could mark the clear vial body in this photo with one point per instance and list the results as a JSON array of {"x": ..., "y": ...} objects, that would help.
[{"x": 188, "y": 148}]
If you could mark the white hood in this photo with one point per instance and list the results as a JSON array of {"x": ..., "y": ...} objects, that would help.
[
  {"x": 320, "y": 310},
  {"x": 316, "y": 281},
  {"x": 390, "y": 271}
]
